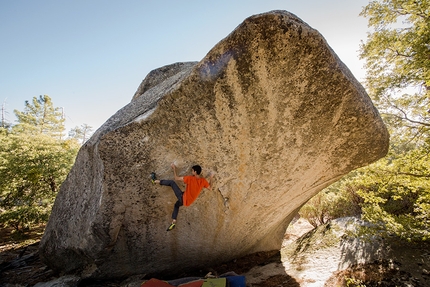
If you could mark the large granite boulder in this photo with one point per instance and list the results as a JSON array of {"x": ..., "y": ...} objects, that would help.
[{"x": 271, "y": 110}]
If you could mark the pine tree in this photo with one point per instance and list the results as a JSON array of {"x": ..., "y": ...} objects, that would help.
[
  {"x": 82, "y": 133},
  {"x": 34, "y": 161},
  {"x": 40, "y": 117}
]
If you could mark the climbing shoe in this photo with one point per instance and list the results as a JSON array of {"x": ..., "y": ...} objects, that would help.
[
  {"x": 171, "y": 227},
  {"x": 153, "y": 177}
]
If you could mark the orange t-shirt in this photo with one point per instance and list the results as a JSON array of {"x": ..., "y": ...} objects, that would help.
[{"x": 193, "y": 189}]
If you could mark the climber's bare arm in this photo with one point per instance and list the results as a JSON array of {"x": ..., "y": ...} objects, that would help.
[
  {"x": 180, "y": 178},
  {"x": 211, "y": 176}
]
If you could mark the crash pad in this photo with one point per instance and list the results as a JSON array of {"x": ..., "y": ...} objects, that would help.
[
  {"x": 236, "y": 281},
  {"x": 197, "y": 283},
  {"x": 214, "y": 282},
  {"x": 155, "y": 283}
]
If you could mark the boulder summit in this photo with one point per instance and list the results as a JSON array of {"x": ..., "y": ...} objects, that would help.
[{"x": 271, "y": 110}]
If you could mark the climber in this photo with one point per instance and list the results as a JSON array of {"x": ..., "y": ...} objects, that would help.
[{"x": 194, "y": 185}]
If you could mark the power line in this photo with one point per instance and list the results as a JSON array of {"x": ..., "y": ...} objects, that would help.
[{"x": 4, "y": 114}]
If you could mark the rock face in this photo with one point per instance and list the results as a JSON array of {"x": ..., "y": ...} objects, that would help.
[{"x": 271, "y": 109}]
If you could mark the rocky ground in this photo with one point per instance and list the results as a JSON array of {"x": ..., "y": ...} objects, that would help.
[
  {"x": 20, "y": 266},
  {"x": 321, "y": 258},
  {"x": 19, "y": 259}
]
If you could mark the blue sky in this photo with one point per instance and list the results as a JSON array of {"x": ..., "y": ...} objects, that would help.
[{"x": 90, "y": 56}]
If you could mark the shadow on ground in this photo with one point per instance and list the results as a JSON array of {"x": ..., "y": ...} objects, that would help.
[{"x": 20, "y": 265}]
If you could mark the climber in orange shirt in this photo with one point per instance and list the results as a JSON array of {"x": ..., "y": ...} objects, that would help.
[{"x": 194, "y": 185}]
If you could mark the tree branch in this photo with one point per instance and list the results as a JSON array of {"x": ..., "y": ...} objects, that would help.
[
  {"x": 406, "y": 173},
  {"x": 405, "y": 116},
  {"x": 396, "y": 52},
  {"x": 413, "y": 174}
]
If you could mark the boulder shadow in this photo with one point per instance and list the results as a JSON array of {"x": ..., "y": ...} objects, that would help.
[{"x": 246, "y": 266}]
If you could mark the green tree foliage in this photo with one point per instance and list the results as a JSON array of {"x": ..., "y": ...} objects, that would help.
[
  {"x": 34, "y": 161},
  {"x": 82, "y": 133},
  {"x": 396, "y": 190},
  {"x": 397, "y": 57},
  {"x": 338, "y": 200},
  {"x": 40, "y": 117},
  {"x": 394, "y": 193}
]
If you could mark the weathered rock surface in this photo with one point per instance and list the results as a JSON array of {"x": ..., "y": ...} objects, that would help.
[
  {"x": 271, "y": 109},
  {"x": 160, "y": 75}
]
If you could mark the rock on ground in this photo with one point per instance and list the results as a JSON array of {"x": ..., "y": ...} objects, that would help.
[
  {"x": 334, "y": 253},
  {"x": 271, "y": 110},
  {"x": 65, "y": 281}
]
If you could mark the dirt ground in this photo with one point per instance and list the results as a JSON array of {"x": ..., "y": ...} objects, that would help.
[
  {"x": 19, "y": 258},
  {"x": 20, "y": 265}
]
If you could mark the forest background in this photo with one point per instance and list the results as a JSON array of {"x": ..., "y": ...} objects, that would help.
[{"x": 393, "y": 193}]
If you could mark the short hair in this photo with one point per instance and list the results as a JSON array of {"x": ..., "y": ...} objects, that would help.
[{"x": 197, "y": 168}]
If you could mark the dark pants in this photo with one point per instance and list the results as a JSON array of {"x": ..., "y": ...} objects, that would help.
[{"x": 178, "y": 192}]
